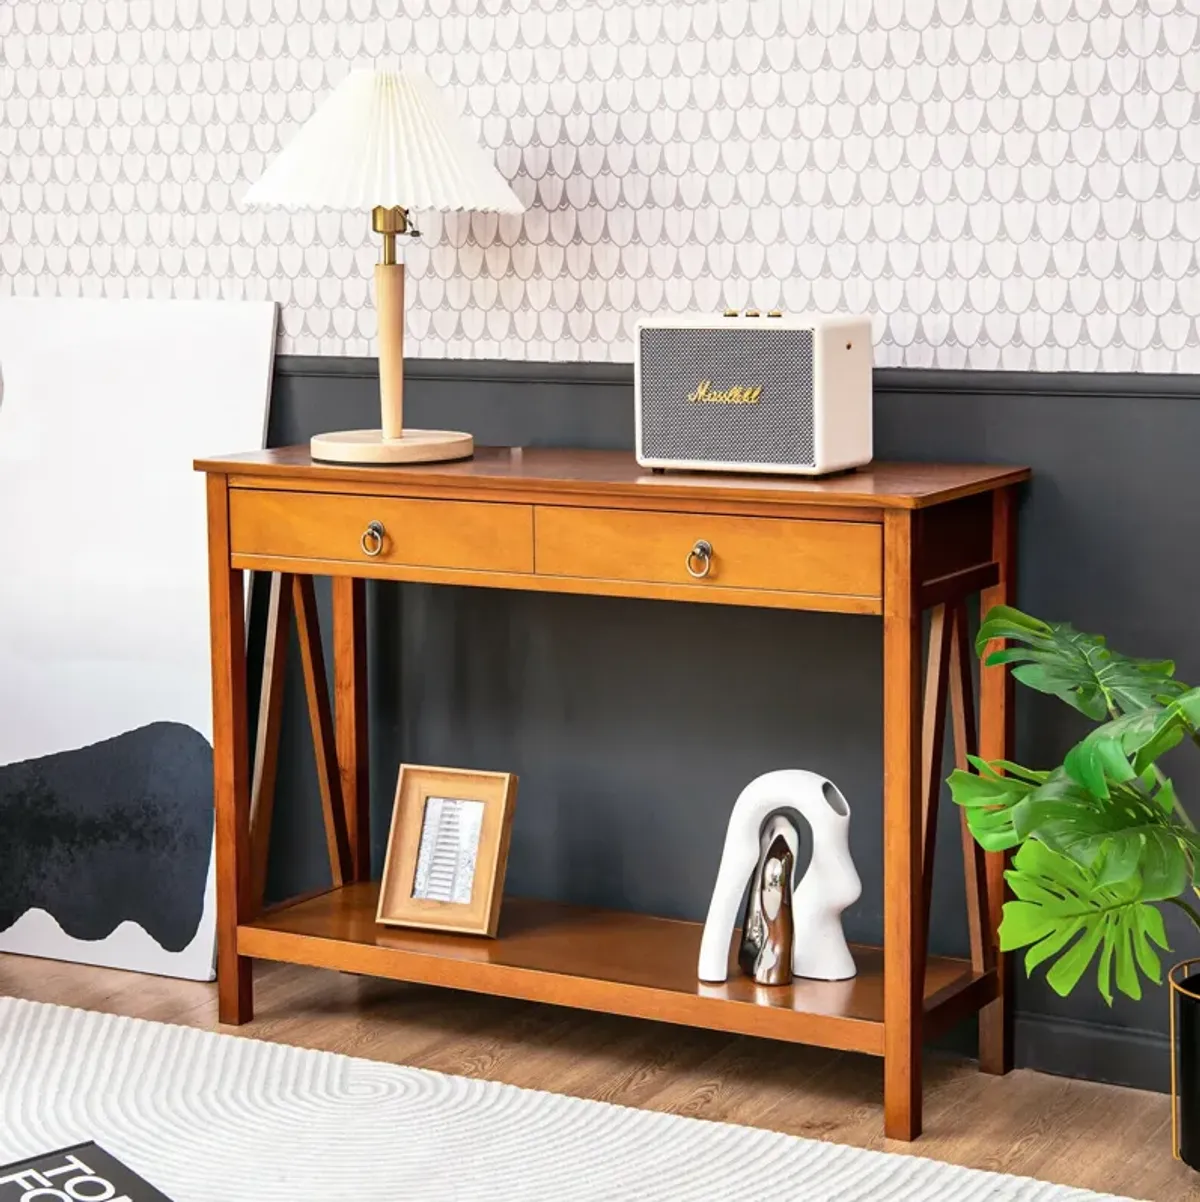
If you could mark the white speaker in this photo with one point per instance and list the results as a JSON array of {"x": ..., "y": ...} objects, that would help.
[{"x": 747, "y": 393}]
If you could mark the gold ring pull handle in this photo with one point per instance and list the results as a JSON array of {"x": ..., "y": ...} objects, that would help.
[
  {"x": 372, "y": 539},
  {"x": 699, "y": 559}
]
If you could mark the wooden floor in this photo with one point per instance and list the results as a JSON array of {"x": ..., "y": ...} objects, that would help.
[{"x": 1072, "y": 1132}]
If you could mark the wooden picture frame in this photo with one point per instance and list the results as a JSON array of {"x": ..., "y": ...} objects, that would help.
[{"x": 447, "y": 849}]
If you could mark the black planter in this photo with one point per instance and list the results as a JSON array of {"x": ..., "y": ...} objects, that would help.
[{"x": 1185, "y": 1061}]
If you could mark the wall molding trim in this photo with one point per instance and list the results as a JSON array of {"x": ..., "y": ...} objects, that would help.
[
  {"x": 908, "y": 380},
  {"x": 1139, "y": 386},
  {"x": 1069, "y": 1047},
  {"x": 487, "y": 371}
]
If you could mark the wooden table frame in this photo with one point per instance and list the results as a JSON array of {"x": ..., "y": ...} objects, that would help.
[{"x": 945, "y": 533}]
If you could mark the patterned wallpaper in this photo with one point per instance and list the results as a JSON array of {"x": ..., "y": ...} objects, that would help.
[{"x": 1000, "y": 183}]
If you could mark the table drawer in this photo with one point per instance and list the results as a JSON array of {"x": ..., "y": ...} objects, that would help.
[
  {"x": 776, "y": 554},
  {"x": 436, "y": 534}
]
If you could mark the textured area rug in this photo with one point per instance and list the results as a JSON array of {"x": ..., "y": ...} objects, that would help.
[{"x": 217, "y": 1118}]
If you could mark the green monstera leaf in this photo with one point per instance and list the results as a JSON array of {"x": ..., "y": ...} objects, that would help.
[
  {"x": 1078, "y": 668},
  {"x": 1126, "y": 748},
  {"x": 989, "y": 798},
  {"x": 1062, "y": 914},
  {"x": 1124, "y": 835}
]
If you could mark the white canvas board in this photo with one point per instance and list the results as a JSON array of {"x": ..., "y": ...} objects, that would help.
[{"x": 104, "y": 405}]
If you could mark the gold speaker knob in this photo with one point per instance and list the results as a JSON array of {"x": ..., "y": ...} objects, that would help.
[
  {"x": 775, "y": 313},
  {"x": 752, "y": 313},
  {"x": 731, "y": 312}
]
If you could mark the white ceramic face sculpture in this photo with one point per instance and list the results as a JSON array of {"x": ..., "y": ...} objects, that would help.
[{"x": 828, "y": 886}]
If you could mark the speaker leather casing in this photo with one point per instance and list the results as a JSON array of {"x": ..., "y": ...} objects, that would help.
[{"x": 788, "y": 395}]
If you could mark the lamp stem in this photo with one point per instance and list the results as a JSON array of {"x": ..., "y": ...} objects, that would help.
[{"x": 389, "y": 305}]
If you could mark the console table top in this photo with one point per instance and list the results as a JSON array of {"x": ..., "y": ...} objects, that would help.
[{"x": 877, "y": 486}]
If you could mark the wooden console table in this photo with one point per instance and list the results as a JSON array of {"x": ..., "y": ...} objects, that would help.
[{"x": 892, "y": 540}]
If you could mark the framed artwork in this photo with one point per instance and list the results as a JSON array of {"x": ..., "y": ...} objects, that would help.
[{"x": 447, "y": 849}]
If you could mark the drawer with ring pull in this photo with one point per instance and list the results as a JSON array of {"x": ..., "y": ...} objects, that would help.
[
  {"x": 705, "y": 550},
  {"x": 468, "y": 535}
]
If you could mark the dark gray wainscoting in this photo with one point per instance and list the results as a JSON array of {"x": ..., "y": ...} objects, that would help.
[{"x": 633, "y": 724}]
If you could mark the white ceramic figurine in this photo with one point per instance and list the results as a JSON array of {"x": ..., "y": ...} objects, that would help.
[{"x": 828, "y": 886}]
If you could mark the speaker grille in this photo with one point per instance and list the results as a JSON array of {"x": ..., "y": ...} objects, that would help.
[{"x": 777, "y": 429}]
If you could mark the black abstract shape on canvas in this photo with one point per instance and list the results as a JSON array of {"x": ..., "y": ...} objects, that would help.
[{"x": 120, "y": 830}]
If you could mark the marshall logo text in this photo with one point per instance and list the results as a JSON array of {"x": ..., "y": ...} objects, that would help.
[{"x": 739, "y": 394}]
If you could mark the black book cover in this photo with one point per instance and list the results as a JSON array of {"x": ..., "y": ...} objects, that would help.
[{"x": 80, "y": 1171}]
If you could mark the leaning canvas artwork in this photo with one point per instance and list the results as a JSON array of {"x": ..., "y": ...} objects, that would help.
[{"x": 105, "y": 691}]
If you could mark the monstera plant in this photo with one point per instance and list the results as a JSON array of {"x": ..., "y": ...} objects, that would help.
[{"x": 1102, "y": 841}]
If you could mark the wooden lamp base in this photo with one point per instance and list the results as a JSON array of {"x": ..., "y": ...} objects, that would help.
[{"x": 413, "y": 446}]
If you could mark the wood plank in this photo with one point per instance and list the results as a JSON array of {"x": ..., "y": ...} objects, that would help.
[
  {"x": 948, "y": 1007},
  {"x": 351, "y": 717},
  {"x": 996, "y": 742},
  {"x": 902, "y": 882},
  {"x": 489, "y": 537},
  {"x": 843, "y": 558},
  {"x": 231, "y": 771},
  {"x": 943, "y": 590},
  {"x": 548, "y": 470},
  {"x": 631, "y": 964},
  {"x": 953, "y": 537},
  {"x": 596, "y": 497},
  {"x": 694, "y": 591},
  {"x": 962, "y": 708},
  {"x": 320, "y": 719},
  {"x": 933, "y": 731},
  {"x": 270, "y": 721}
]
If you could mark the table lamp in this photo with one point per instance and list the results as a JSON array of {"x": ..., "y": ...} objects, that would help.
[{"x": 389, "y": 142}]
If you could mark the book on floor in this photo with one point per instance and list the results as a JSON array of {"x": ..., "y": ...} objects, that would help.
[{"x": 80, "y": 1171}]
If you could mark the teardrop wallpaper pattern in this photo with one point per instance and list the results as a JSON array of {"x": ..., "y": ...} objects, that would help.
[{"x": 1000, "y": 183}]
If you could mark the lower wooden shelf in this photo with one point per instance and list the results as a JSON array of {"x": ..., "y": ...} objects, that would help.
[{"x": 631, "y": 964}]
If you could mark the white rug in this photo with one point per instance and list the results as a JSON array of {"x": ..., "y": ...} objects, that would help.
[{"x": 217, "y": 1118}]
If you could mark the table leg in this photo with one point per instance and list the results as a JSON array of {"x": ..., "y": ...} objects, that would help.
[
  {"x": 320, "y": 721},
  {"x": 231, "y": 771},
  {"x": 903, "y": 968},
  {"x": 270, "y": 722},
  {"x": 996, "y": 742},
  {"x": 350, "y": 716},
  {"x": 980, "y": 930}
]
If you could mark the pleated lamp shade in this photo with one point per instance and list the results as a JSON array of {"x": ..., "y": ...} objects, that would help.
[{"x": 387, "y": 139}]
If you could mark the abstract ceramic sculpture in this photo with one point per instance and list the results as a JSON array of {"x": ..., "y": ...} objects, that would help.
[
  {"x": 829, "y": 885},
  {"x": 767, "y": 928}
]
